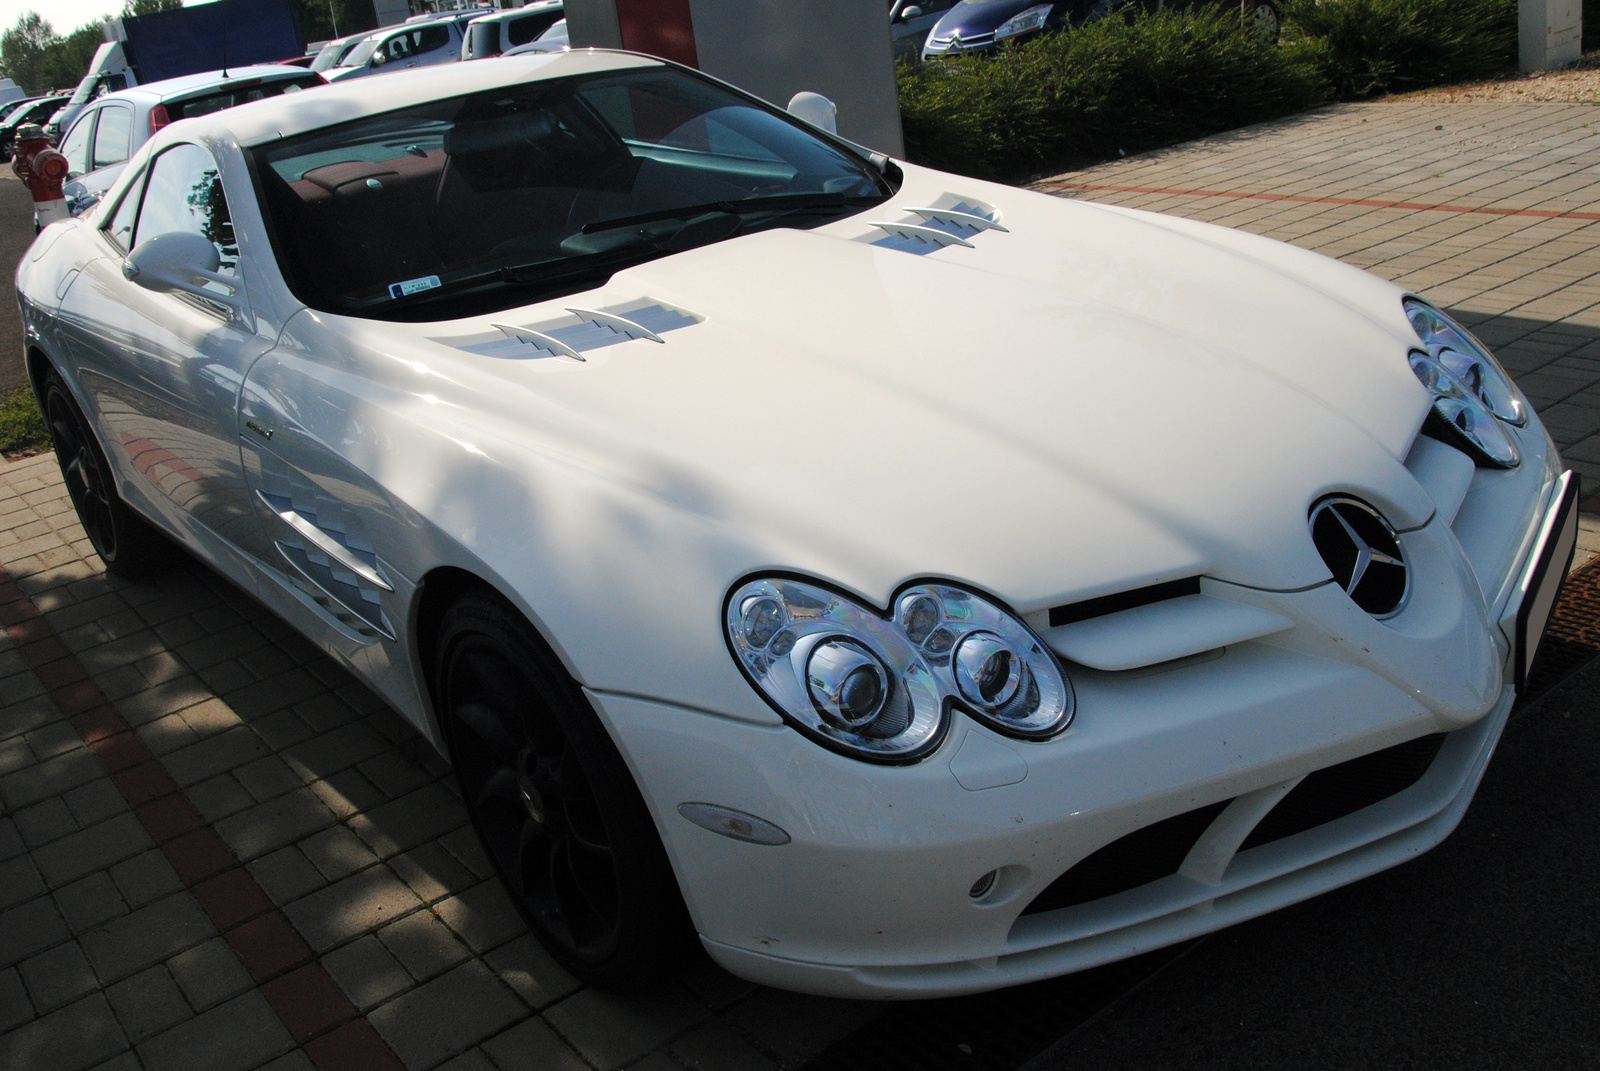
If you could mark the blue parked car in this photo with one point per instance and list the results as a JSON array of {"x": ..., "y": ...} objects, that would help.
[{"x": 980, "y": 25}]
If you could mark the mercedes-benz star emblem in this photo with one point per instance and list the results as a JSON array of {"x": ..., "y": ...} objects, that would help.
[{"x": 1363, "y": 553}]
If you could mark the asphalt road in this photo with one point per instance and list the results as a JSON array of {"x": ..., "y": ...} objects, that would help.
[
  {"x": 16, "y": 234},
  {"x": 1484, "y": 953}
]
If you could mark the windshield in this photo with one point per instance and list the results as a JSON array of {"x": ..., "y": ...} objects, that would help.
[
  {"x": 328, "y": 55},
  {"x": 358, "y": 56},
  {"x": 477, "y": 203},
  {"x": 85, "y": 87}
]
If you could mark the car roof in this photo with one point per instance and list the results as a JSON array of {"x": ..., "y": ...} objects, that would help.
[
  {"x": 191, "y": 83},
  {"x": 517, "y": 12},
  {"x": 343, "y": 101}
]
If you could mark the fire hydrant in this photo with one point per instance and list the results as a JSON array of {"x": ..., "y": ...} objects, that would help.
[{"x": 38, "y": 164}]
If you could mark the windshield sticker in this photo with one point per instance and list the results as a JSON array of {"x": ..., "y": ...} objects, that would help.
[{"x": 413, "y": 286}]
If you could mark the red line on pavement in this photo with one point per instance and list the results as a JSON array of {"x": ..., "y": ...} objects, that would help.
[
  {"x": 313, "y": 1009},
  {"x": 1363, "y": 202}
]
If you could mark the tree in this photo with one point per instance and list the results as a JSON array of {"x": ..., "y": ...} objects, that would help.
[
  {"x": 23, "y": 49},
  {"x": 322, "y": 20},
  {"x": 132, "y": 8},
  {"x": 67, "y": 60}
]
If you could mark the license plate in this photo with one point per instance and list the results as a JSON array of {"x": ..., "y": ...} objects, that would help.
[{"x": 1551, "y": 559}]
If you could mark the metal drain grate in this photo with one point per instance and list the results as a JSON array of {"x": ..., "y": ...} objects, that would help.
[{"x": 1002, "y": 1030}]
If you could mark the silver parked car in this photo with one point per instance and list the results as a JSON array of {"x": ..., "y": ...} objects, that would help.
[
  {"x": 112, "y": 128},
  {"x": 419, "y": 44},
  {"x": 493, "y": 35}
]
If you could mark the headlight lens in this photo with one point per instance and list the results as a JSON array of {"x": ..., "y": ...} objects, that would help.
[
  {"x": 1024, "y": 22},
  {"x": 1468, "y": 360},
  {"x": 883, "y": 689},
  {"x": 1465, "y": 412}
]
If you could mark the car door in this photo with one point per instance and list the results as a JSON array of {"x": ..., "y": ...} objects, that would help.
[
  {"x": 438, "y": 42},
  {"x": 77, "y": 144},
  {"x": 163, "y": 369},
  {"x": 110, "y": 144}
]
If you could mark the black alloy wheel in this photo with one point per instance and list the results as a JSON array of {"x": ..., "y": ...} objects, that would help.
[
  {"x": 126, "y": 542},
  {"x": 553, "y": 801}
]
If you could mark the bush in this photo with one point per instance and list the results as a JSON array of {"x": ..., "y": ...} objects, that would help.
[
  {"x": 1390, "y": 46},
  {"x": 1129, "y": 82},
  {"x": 22, "y": 429}
]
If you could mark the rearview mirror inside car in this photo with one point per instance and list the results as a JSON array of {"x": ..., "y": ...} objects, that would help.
[{"x": 182, "y": 262}]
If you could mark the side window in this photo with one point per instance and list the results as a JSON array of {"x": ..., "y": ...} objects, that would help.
[
  {"x": 184, "y": 193},
  {"x": 529, "y": 27},
  {"x": 111, "y": 137},
  {"x": 120, "y": 229},
  {"x": 432, "y": 37},
  {"x": 398, "y": 46},
  {"x": 75, "y": 146}
]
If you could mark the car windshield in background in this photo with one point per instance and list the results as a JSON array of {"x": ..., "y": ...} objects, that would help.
[
  {"x": 358, "y": 56},
  {"x": 243, "y": 93},
  {"x": 477, "y": 203}
]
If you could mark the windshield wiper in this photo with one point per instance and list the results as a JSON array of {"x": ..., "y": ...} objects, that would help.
[{"x": 743, "y": 206}]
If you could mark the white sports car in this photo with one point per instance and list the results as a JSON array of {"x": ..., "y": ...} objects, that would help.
[{"x": 910, "y": 585}]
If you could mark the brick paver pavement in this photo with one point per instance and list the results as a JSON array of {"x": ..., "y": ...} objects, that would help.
[{"x": 265, "y": 863}]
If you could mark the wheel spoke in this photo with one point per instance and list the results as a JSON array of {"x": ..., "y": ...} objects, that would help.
[
  {"x": 577, "y": 911},
  {"x": 499, "y": 787},
  {"x": 485, "y": 724},
  {"x": 585, "y": 828},
  {"x": 533, "y": 858},
  {"x": 498, "y": 683}
]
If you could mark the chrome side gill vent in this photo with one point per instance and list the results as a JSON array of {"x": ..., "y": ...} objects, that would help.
[
  {"x": 938, "y": 226},
  {"x": 595, "y": 329},
  {"x": 328, "y": 549}
]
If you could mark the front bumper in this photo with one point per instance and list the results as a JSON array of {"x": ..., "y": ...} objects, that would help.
[{"x": 871, "y": 896}]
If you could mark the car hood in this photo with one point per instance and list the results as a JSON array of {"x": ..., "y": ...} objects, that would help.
[
  {"x": 1092, "y": 399},
  {"x": 982, "y": 17}
]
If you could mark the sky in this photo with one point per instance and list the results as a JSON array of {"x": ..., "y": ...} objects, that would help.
[{"x": 64, "y": 15}]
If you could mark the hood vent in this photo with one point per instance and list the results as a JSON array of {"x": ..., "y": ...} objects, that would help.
[
  {"x": 937, "y": 227},
  {"x": 595, "y": 329}
]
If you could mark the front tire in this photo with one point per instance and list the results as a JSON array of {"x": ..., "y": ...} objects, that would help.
[
  {"x": 553, "y": 801},
  {"x": 128, "y": 545}
]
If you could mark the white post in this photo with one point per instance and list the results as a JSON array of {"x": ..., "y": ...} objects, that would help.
[{"x": 1549, "y": 33}]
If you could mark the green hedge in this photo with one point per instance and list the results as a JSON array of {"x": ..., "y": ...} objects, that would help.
[
  {"x": 1121, "y": 83},
  {"x": 22, "y": 429},
  {"x": 1391, "y": 46},
  {"x": 1139, "y": 81}
]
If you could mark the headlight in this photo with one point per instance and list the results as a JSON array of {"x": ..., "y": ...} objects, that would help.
[
  {"x": 883, "y": 689},
  {"x": 1466, "y": 414},
  {"x": 1023, "y": 22},
  {"x": 1468, "y": 360}
]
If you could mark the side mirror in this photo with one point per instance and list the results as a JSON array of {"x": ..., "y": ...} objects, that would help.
[
  {"x": 815, "y": 109},
  {"x": 379, "y": 59},
  {"x": 909, "y": 13},
  {"x": 181, "y": 262}
]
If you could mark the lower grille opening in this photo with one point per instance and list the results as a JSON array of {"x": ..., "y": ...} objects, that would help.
[
  {"x": 1140, "y": 857},
  {"x": 1336, "y": 791}
]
